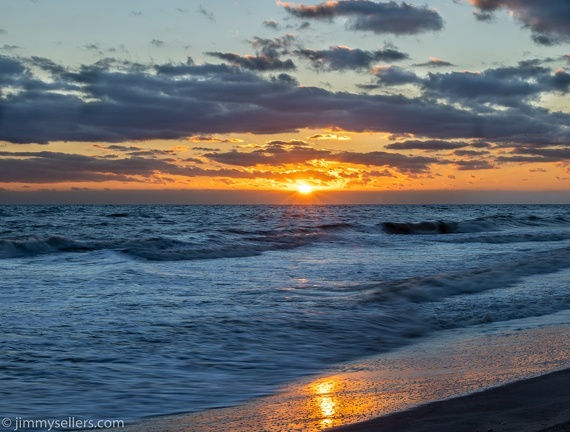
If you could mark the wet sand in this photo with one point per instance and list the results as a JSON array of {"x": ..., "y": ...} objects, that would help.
[
  {"x": 433, "y": 370},
  {"x": 539, "y": 404}
]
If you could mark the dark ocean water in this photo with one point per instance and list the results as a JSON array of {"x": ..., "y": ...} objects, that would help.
[{"x": 131, "y": 311}]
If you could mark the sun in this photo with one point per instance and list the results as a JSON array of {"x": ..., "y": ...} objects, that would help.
[{"x": 304, "y": 188}]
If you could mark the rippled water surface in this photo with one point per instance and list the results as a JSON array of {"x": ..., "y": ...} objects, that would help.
[{"x": 131, "y": 311}]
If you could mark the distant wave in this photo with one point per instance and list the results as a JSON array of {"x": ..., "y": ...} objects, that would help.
[
  {"x": 484, "y": 224},
  {"x": 160, "y": 248}
]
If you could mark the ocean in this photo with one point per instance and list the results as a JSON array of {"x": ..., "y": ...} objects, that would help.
[{"x": 126, "y": 312}]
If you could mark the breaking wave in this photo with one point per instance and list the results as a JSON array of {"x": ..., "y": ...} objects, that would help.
[
  {"x": 478, "y": 225},
  {"x": 433, "y": 288},
  {"x": 158, "y": 249}
]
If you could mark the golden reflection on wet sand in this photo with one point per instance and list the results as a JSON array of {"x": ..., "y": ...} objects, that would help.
[{"x": 325, "y": 401}]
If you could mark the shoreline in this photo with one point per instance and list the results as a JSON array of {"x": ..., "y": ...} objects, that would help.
[
  {"x": 391, "y": 387},
  {"x": 539, "y": 404}
]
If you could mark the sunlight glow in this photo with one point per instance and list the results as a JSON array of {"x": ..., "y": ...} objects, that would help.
[{"x": 304, "y": 189}]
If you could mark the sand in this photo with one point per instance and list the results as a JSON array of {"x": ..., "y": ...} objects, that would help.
[
  {"x": 535, "y": 405},
  {"x": 409, "y": 381}
]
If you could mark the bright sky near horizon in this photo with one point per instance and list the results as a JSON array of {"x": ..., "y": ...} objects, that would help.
[{"x": 352, "y": 95}]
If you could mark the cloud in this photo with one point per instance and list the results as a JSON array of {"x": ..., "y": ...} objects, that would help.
[
  {"x": 285, "y": 79},
  {"x": 394, "y": 75},
  {"x": 113, "y": 102},
  {"x": 473, "y": 165},
  {"x": 92, "y": 47},
  {"x": 211, "y": 139},
  {"x": 3, "y": 32},
  {"x": 435, "y": 62},
  {"x": 273, "y": 47},
  {"x": 338, "y": 58},
  {"x": 10, "y": 48},
  {"x": 255, "y": 63},
  {"x": 470, "y": 153},
  {"x": 333, "y": 137},
  {"x": 140, "y": 151},
  {"x": 547, "y": 20},
  {"x": 157, "y": 43},
  {"x": 279, "y": 153},
  {"x": 267, "y": 57},
  {"x": 206, "y": 149},
  {"x": 53, "y": 167},
  {"x": 507, "y": 86},
  {"x": 202, "y": 10},
  {"x": 431, "y": 145},
  {"x": 271, "y": 24},
  {"x": 379, "y": 18},
  {"x": 555, "y": 154}
]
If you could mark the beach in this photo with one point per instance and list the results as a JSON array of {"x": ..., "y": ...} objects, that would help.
[
  {"x": 420, "y": 388},
  {"x": 539, "y": 404}
]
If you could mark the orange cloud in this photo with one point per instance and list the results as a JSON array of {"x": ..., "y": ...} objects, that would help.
[{"x": 211, "y": 139}]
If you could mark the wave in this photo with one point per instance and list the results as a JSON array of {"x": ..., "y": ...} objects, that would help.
[
  {"x": 157, "y": 249},
  {"x": 35, "y": 246},
  {"x": 514, "y": 238},
  {"x": 433, "y": 288},
  {"x": 482, "y": 224},
  {"x": 438, "y": 227}
]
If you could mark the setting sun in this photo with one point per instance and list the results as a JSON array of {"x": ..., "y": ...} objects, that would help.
[{"x": 304, "y": 189}]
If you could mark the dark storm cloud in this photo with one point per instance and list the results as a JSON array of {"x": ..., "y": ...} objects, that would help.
[
  {"x": 547, "y": 20},
  {"x": 431, "y": 145},
  {"x": 338, "y": 58},
  {"x": 382, "y": 17},
  {"x": 112, "y": 101}
]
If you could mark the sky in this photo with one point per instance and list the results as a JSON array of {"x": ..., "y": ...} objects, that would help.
[{"x": 246, "y": 101}]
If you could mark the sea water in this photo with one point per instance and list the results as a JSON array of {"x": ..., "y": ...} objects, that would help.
[{"x": 125, "y": 312}]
